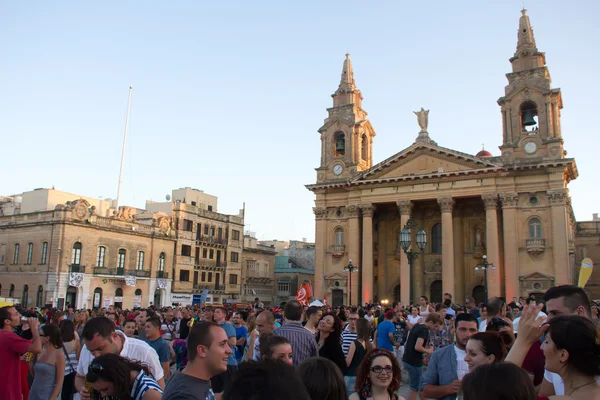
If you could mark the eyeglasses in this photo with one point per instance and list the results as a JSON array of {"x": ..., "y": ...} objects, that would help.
[
  {"x": 379, "y": 369},
  {"x": 352, "y": 319},
  {"x": 96, "y": 368}
]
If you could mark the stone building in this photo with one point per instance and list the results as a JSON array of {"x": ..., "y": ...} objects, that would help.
[
  {"x": 514, "y": 208},
  {"x": 68, "y": 254},
  {"x": 258, "y": 271},
  {"x": 587, "y": 241},
  {"x": 290, "y": 274},
  {"x": 209, "y": 245}
]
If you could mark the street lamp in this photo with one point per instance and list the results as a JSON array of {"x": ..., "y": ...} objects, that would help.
[
  {"x": 350, "y": 269},
  {"x": 484, "y": 266},
  {"x": 406, "y": 244}
]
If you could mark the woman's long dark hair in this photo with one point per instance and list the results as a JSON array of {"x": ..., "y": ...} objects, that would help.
[
  {"x": 498, "y": 381},
  {"x": 336, "y": 333},
  {"x": 67, "y": 330},
  {"x": 580, "y": 338},
  {"x": 117, "y": 370},
  {"x": 363, "y": 382},
  {"x": 52, "y": 332}
]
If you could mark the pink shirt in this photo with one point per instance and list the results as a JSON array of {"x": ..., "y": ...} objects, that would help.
[{"x": 12, "y": 347}]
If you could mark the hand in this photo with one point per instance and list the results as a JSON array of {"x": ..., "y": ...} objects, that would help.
[
  {"x": 531, "y": 327},
  {"x": 84, "y": 394},
  {"x": 254, "y": 334},
  {"x": 34, "y": 324},
  {"x": 453, "y": 387}
]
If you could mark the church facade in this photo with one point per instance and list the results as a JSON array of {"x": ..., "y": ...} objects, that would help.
[{"x": 514, "y": 208}]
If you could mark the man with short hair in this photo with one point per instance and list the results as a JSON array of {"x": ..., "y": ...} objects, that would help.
[
  {"x": 128, "y": 327},
  {"x": 141, "y": 319},
  {"x": 472, "y": 307},
  {"x": 100, "y": 337},
  {"x": 183, "y": 325},
  {"x": 349, "y": 334},
  {"x": 496, "y": 308},
  {"x": 12, "y": 347},
  {"x": 303, "y": 342},
  {"x": 221, "y": 380},
  {"x": 168, "y": 328},
  {"x": 447, "y": 365},
  {"x": 384, "y": 335},
  {"x": 265, "y": 323},
  {"x": 313, "y": 316},
  {"x": 240, "y": 335},
  {"x": 160, "y": 345},
  {"x": 259, "y": 305},
  {"x": 207, "y": 352}
]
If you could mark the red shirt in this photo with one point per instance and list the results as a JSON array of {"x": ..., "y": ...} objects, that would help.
[
  {"x": 534, "y": 362},
  {"x": 12, "y": 347}
]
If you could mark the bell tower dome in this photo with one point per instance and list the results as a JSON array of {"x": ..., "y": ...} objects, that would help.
[
  {"x": 530, "y": 107},
  {"x": 347, "y": 135}
]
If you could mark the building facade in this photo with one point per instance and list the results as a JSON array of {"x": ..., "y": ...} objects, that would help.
[
  {"x": 289, "y": 276},
  {"x": 587, "y": 241},
  {"x": 514, "y": 208},
  {"x": 71, "y": 256},
  {"x": 258, "y": 271}
]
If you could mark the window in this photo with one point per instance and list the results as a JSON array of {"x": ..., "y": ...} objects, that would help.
[
  {"x": 211, "y": 254},
  {"x": 203, "y": 276},
  {"x": 204, "y": 253},
  {"x": 2, "y": 253},
  {"x": 210, "y": 208},
  {"x": 25, "y": 296},
  {"x": 97, "y": 297},
  {"x": 29, "y": 253},
  {"x": 44, "y": 252},
  {"x": 206, "y": 229},
  {"x": 194, "y": 203},
  {"x": 11, "y": 292},
  {"x": 212, "y": 231},
  {"x": 16, "y": 254},
  {"x": 339, "y": 236},
  {"x": 100, "y": 256},
  {"x": 184, "y": 275},
  {"x": 186, "y": 250},
  {"x": 235, "y": 256},
  {"x": 364, "y": 148},
  {"x": 284, "y": 286},
  {"x": 233, "y": 279},
  {"x": 210, "y": 277},
  {"x": 39, "y": 298},
  {"x": 535, "y": 228},
  {"x": 161, "y": 262},
  {"x": 140, "y": 261},
  {"x": 235, "y": 235},
  {"x": 188, "y": 225},
  {"x": 119, "y": 292},
  {"x": 121, "y": 259},
  {"x": 76, "y": 255},
  {"x": 219, "y": 233},
  {"x": 340, "y": 144},
  {"x": 436, "y": 239},
  {"x": 529, "y": 116},
  {"x": 251, "y": 266}
]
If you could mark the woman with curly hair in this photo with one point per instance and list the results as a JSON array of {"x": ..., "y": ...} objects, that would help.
[
  {"x": 122, "y": 378},
  {"x": 328, "y": 340},
  {"x": 378, "y": 377}
]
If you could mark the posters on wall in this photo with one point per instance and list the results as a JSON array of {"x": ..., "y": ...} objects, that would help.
[
  {"x": 96, "y": 300},
  {"x": 137, "y": 301},
  {"x": 108, "y": 301}
]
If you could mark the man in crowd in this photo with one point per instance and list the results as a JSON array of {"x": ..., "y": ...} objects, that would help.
[
  {"x": 447, "y": 365},
  {"x": 416, "y": 346},
  {"x": 221, "y": 380},
  {"x": 258, "y": 305},
  {"x": 303, "y": 342},
  {"x": 208, "y": 314},
  {"x": 128, "y": 327},
  {"x": 183, "y": 325},
  {"x": 141, "y": 319},
  {"x": 168, "y": 328},
  {"x": 207, "y": 351},
  {"x": 496, "y": 308},
  {"x": 240, "y": 335},
  {"x": 472, "y": 307},
  {"x": 369, "y": 316},
  {"x": 313, "y": 316},
  {"x": 349, "y": 334},
  {"x": 100, "y": 337},
  {"x": 12, "y": 347},
  {"x": 113, "y": 317},
  {"x": 159, "y": 344},
  {"x": 400, "y": 334},
  {"x": 70, "y": 314},
  {"x": 265, "y": 323},
  {"x": 384, "y": 335}
]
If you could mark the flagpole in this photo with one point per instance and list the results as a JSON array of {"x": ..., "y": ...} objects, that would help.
[{"x": 123, "y": 152}]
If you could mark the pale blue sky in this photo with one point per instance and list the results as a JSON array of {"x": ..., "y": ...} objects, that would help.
[{"x": 228, "y": 96}]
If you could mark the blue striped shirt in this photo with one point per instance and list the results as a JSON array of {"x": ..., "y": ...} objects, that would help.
[
  {"x": 304, "y": 343},
  {"x": 142, "y": 384}
]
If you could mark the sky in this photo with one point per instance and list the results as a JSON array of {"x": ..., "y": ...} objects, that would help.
[{"x": 228, "y": 96}]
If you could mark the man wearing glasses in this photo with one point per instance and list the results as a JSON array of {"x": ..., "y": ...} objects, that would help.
[{"x": 349, "y": 334}]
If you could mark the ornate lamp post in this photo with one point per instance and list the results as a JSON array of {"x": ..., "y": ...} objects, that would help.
[
  {"x": 406, "y": 239},
  {"x": 484, "y": 266},
  {"x": 350, "y": 269}
]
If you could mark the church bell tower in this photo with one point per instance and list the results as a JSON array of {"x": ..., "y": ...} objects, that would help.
[
  {"x": 347, "y": 135},
  {"x": 530, "y": 107}
]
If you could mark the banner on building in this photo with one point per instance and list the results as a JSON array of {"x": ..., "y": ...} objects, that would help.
[
  {"x": 97, "y": 300},
  {"x": 162, "y": 283},
  {"x": 137, "y": 301},
  {"x": 587, "y": 266},
  {"x": 130, "y": 280},
  {"x": 304, "y": 293},
  {"x": 200, "y": 298},
  {"x": 118, "y": 299},
  {"x": 108, "y": 301},
  {"x": 76, "y": 279}
]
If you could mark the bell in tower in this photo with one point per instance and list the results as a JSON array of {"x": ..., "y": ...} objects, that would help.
[
  {"x": 340, "y": 145},
  {"x": 529, "y": 115}
]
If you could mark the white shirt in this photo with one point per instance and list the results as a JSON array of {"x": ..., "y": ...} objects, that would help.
[
  {"x": 483, "y": 325},
  {"x": 313, "y": 331},
  {"x": 370, "y": 318},
  {"x": 558, "y": 383},
  {"x": 134, "y": 349},
  {"x": 414, "y": 320},
  {"x": 462, "y": 368}
]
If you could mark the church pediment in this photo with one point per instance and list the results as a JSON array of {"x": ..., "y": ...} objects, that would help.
[
  {"x": 536, "y": 276},
  {"x": 336, "y": 277},
  {"x": 336, "y": 124}
]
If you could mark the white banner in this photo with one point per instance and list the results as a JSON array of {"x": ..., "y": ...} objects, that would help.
[
  {"x": 162, "y": 283},
  {"x": 130, "y": 280},
  {"x": 108, "y": 301},
  {"x": 76, "y": 279},
  {"x": 137, "y": 301},
  {"x": 97, "y": 300}
]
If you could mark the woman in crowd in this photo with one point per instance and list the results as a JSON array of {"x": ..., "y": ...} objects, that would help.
[
  {"x": 487, "y": 348},
  {"x": 498, "y": 381},
  {"x": 71, "y": 350},
  {"x": 378, "y": 377},
  {"x": 414, "y": 318},
  {"x": 277, "y": 348},
  {"x": 328, "y": 340},
  {"x": 357, "y": 351},
  {"x": 49, "y": 370},
  {"x": 322, "y": 379},
  {"x": 122, "y": 378},
  {"x": 81, "y": 321},
  {"x": 424, "y": 307}
]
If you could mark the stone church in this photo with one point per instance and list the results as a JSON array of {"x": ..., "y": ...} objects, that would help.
[{"x": 514, "y": 209}]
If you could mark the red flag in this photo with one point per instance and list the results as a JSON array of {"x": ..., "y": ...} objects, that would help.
[
  {"x": 325, "y": 298},
  {"x": 304, "y": 293}
]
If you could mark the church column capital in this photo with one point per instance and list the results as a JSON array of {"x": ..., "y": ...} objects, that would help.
[
  {"x": 558, "y": 197},
  {"x": 490, "y": 200},
  {"x": 368, "y": 209},
  {"x": 320, "y": 212},
  {"x": 352, "y": 210},
  {"x": 446, "y": 204},
  {"x": 509, "y": 200},
  {"x": 404, "y": 206}
]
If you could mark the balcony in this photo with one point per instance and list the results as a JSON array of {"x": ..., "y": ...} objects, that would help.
[
  {"x": 162, "y": 275},
  {"x": 535, "y": 245},
  {"x": 337, "y": 250},
  {"x": 207, "y": 263},
  {"x": 139, "y": 273},
  {"x": 76, "y": 268},
  {"x": 109, "y": 271},
  {"x": 207, "y": 239},
  {"x": 233, "y": 288},
  {"x": 215, "y": 287},
  {"x": 184, "y": 260}
]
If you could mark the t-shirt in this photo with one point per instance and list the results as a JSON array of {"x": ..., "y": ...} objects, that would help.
[
  {"x": 168, "y": 329},
  {"x": 240, "y": 332},
  {"x": 180, "y": 350},
  {"x": 558, "y": 383},
  {"x": 142, "y": 384},
  {"x": 12, "y": 347},
  {"x": 230, "y": 331},
  {"x": 347, "y": 339},
  {"x": 400, "y": 332},
  {"x": 161, "y": 347},
  {"x": 462, "y": 368},
  {"x": 184, "y": 329},
  {"x": 383, "y": 338},
  {"x": 534, "y": 362},
  {"x": 411, "y": 355},
  {"x": 186, "y": 387}
]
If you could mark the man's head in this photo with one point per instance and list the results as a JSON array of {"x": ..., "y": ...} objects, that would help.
[
  {"x": 567, "y": 300},
  {"x": 447, "y": 296},
  {"x": 153, "y": 328},
  {"x": 209, "y": 313},
  {"x": 237, "y": 319},
  {"x": 169, "y": 315},
  {"x": 207, "y": 345},
  {"x": 100, "y": 337},
  {"x": 396, "y": 306},
  {"x": 112, "y": 317},
  {"x": 186, "y": 313},
  {"x": 433, "y": 322},
  {"x": 129, "y": 327},
  {"x": 313, "y": 315},
  {"x": 220, "y": 315},
  {"x": 496, "y": 307},
  {"x": 257, "y": 300},
  {"x": 265, "y": 322},
  {"x": 389, "y": 315},
  {"x": 466, "y": 326},
  {"x": 10, "y": 317},
  {"x": 143, "y": 316},
  {"x": 352, "y": 318},
  {"x": 293, "y": 311},
  {"x": 70, "y": 311},
  {"x": 469, "y": 302}
]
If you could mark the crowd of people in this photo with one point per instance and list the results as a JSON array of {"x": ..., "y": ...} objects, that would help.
[{"x": 494, "y": 350}]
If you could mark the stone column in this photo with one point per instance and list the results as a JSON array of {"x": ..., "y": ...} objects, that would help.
[
  {"x": 549, "y": 121},
  {"x": 366, "y": 269},
  {"x": 353, "y": 248},
  {"x": 510, "y": 201},
  {"x": 320, "y": 250},
  {"x": 560, "y": 240},
  {"x": 446, "y": 205},
  {"x": 490, "y": 200},
  {"x": 405, "y": 207},
  {"x": 459, "y": 255}
]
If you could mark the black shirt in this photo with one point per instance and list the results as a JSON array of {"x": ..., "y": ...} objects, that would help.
[
  {"x": 412, "y": 356},
  {"x": 184, "y": 329}
]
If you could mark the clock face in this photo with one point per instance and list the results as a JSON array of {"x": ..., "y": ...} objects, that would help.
[
  {"x": 530, "y": 148},
  {"x": 337, "y": 169}
]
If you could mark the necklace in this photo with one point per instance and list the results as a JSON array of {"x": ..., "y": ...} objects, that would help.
[{"x": 580, "y": 386}]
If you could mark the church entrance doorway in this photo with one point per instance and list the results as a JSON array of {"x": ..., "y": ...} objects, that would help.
[
  {"x": 436, "y": 292},
  {"x": 337, "y": 297}
]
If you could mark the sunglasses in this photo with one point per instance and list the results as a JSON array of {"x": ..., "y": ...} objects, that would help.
[
  {"x": 96, "y": 368},
  {"x": 379, "y": 369}
]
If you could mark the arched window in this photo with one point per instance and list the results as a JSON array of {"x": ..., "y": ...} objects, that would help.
[
  {"x": 140, "y": 261},
  {"x": 25, "y": 296},
  {"x": 138, "y": 292},
  {"x": 119, "y": 292},
  {"x": 535, "y": 228},
  {"x": 11, "y": 291},
  {"x": 16, "y": 253},
  {"x": 39, "y": 298},
  {"x": 339, "y": 144},
  {"x": 76, "y": 256},
  {"x": 436, "y": 239},
  {"x": 529, "y": 116},
  {"x": 100, "y": 256},
  {"x": 44, "y": 252},
  {"x": 364, "y": 148},
  {"x": 121, "y": 259},
  {"x": 97, "y": 297},
  {"x": 29, "y": 254},
  {"x": 339, "y": 236},
  {"x": 161, "y": 262}
]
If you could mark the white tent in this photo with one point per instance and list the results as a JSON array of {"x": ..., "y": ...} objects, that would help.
[{"x": 316, "y": 303}]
